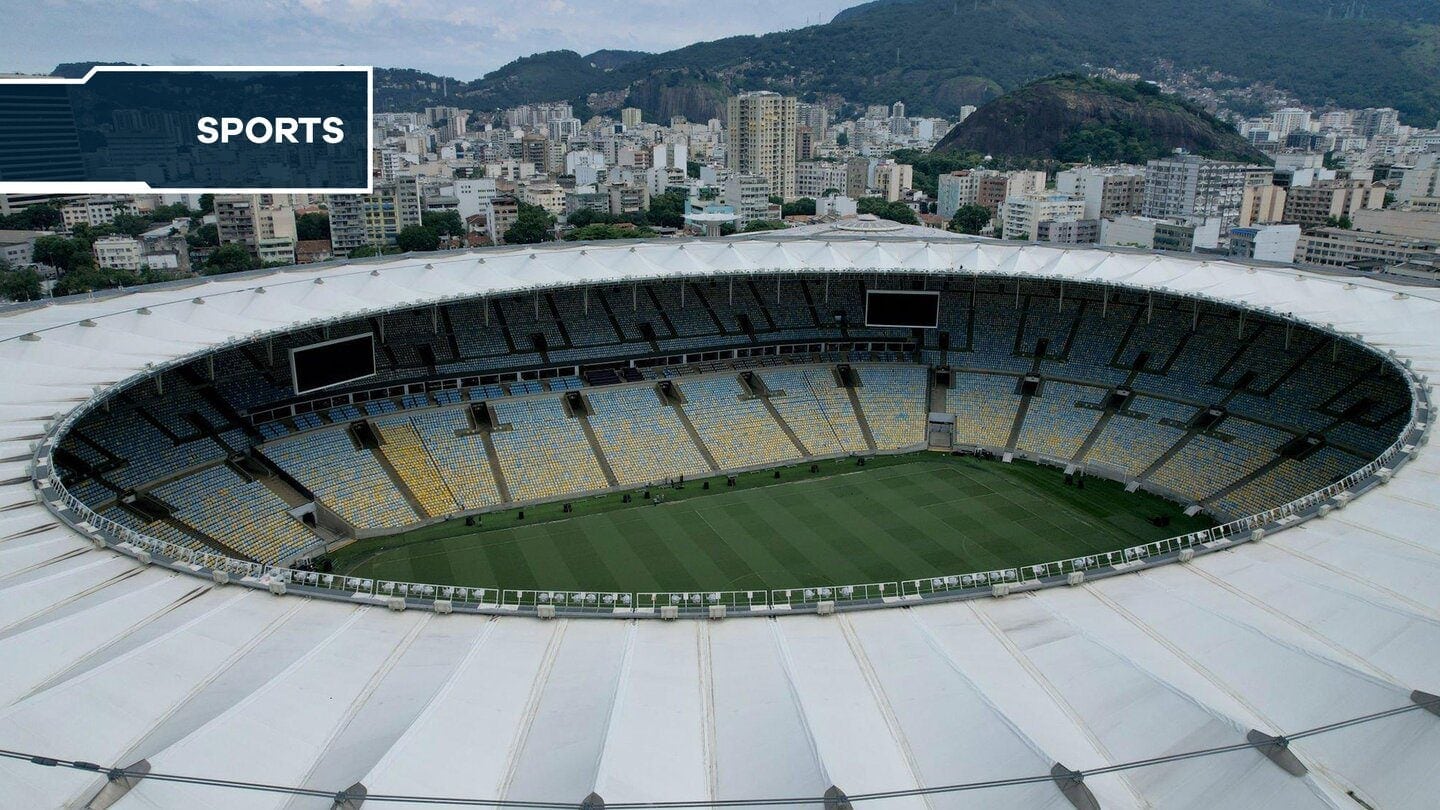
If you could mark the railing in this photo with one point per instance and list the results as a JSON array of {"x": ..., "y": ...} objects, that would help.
[
  {"x": 692, "y": 603},
  {"x": 107, "y": 532}
]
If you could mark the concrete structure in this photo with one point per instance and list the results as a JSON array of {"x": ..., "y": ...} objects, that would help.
[
  {"x": 1147, "y": 233},
  {"x": 347, "y": 223},
  {"x": 1021, "y": 215},
  {"x": 392, "y": 208},
  {"x": 630, "y": 117},
  {"x": 760, "y": 134},
  {"x": 1068, "y": 232},
  {"x": 500, "y": 213},
  {"x": 1192, "y": 189},
  {"x": 892, "y": 179},
  {"x": 1331, "y": 200},
  {"x": 1260, "y": 205},
  {"x": 1108, "y": 191},
  {"x": 955, "y": 190},
  {"x": 1338, "y": 247},
  {"x": 1267, "y": 243},
  {"x": 749, "y": 196},
  {"x": 96, "y": 211},
  {"x": 263, "y": 224},
  {"x": 814, "y": 178},
  {"x": 110, "y": 660},
  {"x": 118, "y": 252}
]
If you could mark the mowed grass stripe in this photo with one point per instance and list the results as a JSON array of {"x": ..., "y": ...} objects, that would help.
[{"x": 904, "y": 518}]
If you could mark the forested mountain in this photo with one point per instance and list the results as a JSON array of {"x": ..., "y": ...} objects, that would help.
[{"x": 938, "y": 55}]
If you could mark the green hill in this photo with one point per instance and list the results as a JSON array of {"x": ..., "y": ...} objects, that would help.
[
  {"x": 937, "y": 55},
  {"x": 1078, "y": 119}
]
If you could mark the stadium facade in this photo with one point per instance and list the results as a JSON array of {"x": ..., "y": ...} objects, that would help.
[{"x": 112, "y": 661}]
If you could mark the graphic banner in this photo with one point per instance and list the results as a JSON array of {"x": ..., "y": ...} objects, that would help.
[{"x": 191, "y": 129}]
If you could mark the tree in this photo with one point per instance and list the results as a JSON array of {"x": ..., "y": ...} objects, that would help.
[
  {"x": 207, "y": 203},
  {"x": 413, "y": 238},
  {"x": 444, "y": 223},
  {"x": 970, "y": 219},
  {"x": 90, "y": 278},
  {"x": 313, "y": 225},
  {"x": 884, "y": 209},
  {"x": 363, "y": 251},
  {"x": 667, "y": 210},
  {"x": 204, "y": 236},
  {"x": 231, "y": 258},
  {"x": 601, "y": 230},
  {"x": 131, "y": 224},
  {"x": 20, "y": 285},
  {"x": 765, "y": 225},
  {"x": 532, "y": 224},
  {"x": 581, "y": 217},
  {"x": 62, "y": 253},
  {"x": 842, "y": 139},
  {"x": 803, "y": 207},
  {"x": 1342, "y": 221}
]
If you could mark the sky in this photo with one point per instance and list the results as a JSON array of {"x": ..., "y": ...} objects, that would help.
[{"x": 460, "y": 38}]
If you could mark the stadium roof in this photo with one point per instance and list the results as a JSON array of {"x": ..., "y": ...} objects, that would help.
[{"x": 107, "y": 661}]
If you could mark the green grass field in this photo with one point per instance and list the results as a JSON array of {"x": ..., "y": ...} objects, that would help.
[{"x": 898, "y": 517}]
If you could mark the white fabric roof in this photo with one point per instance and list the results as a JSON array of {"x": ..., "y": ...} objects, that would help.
[{"x": 105, "y": 660}]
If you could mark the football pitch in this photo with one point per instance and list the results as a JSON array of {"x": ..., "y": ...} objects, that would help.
[{"x": 897, "y": 517}]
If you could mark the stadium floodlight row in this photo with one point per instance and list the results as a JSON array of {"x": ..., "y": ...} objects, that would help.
[{"x": 112, "y": 663}]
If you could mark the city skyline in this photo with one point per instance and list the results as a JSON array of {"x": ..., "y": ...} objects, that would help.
[{"x": 424, "y": 34}]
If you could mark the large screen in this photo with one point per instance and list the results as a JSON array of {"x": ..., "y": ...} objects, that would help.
[
  {"x": 911, "y": 308},
  {"x": 342, "y": 360}
]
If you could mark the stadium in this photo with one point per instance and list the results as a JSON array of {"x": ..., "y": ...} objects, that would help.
[{"x": 854, "y": 514}]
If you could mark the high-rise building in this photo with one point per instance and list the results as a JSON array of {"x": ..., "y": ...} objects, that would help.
[
  {"x": 347, "y": 223},
  {"x": 814, "y": 116},
  {"x": 1193, "y": 189},
  {"x": 814, "y": 178},
  {"x": 1373, "y": 121},
  {"x": 958, "y": 189},
  {"x": 393, "y": 207},
  {"x": 263, "y": 224},
  {"x": 1285, "y": 121},
  {"x": 631, "y": 117},
  {"x": 1317, "y": 204},
  {"x": 893, "y": 178},
  {"x": 1021, "y": 215},
  {"x": 749, "y": 196},
  {"x": 1108, "y": 191},
  {"x": 761, "y": 135}
]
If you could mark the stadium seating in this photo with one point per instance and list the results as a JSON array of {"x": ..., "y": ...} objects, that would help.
[
  {"x": 1054, "y": 426},
  {"x": 460, "y": 353},
  {"x": 643, "y": 439},
  {"x": 984, "y": 406},
  {"x": 242, "y": 514},
  {"x": 349, "y": 481},
  {"x": 893, "y": 399},
  {"x": 460, "y": 459},
  {"x": 403, "y": 448},
  {"x": 544, "y": 453},
  {"x": 817, "y": 409},
  {"x": 738, "y": 432}
]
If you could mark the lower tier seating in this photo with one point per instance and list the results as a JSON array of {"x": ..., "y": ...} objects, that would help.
[{"x": 345, "y": 479}]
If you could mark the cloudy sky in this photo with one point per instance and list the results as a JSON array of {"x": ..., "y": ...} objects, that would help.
[{"x": 461, "y": 38}]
